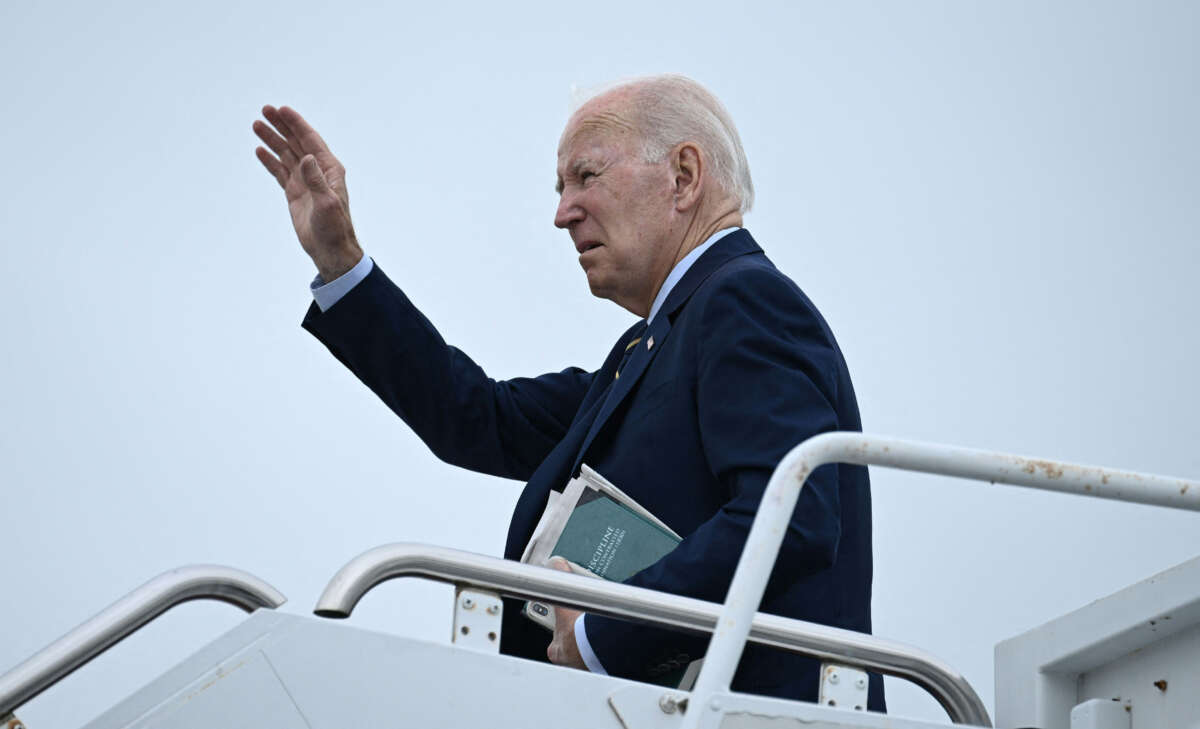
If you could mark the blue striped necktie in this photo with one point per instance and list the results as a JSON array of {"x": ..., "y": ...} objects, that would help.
[{"x": 629, "y": 349}]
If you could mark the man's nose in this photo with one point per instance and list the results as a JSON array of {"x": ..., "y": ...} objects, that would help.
[{"x": 568, "y": 211}]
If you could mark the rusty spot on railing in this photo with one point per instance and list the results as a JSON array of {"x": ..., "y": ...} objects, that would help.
[{"x": 1052, "y": 470}]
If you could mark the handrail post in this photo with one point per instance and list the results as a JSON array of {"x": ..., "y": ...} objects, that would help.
[
  {"x": 752, "y": 572},
  {"x": 783, "y": 491}
]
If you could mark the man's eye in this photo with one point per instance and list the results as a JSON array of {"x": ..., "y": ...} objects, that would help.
[{"x": 583, "y": 176}]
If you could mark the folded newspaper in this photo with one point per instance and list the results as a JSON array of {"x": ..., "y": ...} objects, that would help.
[{"x": 601, "y": 532}]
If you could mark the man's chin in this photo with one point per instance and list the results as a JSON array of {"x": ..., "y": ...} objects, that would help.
[
  {"x": 604, "y": 290},
  {"x": 598, "y": 285}
]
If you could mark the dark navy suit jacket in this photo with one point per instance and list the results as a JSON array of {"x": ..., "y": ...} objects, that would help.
[{"x": 741, "y": 369}]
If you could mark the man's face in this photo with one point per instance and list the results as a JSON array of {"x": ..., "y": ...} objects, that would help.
[{"x": 617, "y": 208}]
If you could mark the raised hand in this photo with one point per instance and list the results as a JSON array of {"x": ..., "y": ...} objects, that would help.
[{"x": 314, "y": 183}]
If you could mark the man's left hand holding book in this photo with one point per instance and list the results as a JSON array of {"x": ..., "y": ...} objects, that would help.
[{"x": 562, "y": 649}]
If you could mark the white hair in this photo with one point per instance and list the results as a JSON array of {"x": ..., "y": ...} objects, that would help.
[{"x": 669, "y": 109}]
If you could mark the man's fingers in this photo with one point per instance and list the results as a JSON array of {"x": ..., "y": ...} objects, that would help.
[
  {"x": 313, "y": 176},
  {"x": 564, "y": 621},
  {"x": 562, "y": 649},
  {"x": 308, "y": 138},
  {"x": 564, "y": 618},
  {"x": 277, "y": 170},
  {"x": 272, "y": 115},
  {"x": 277, "y": 143},
  {"x": 556, "y": 652}
]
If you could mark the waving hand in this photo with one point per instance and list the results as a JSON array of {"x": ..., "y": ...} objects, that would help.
[{"x": 314, "y": 183}]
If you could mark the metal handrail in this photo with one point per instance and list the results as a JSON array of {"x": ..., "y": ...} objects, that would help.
[
  {"x": 370, "y": 568},
  {"x": 112, "y": 624},
  {"x": 738, "y": 616}
]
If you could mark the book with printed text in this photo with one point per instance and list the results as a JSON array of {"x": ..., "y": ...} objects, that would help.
[{"x": 601, "y": 532}]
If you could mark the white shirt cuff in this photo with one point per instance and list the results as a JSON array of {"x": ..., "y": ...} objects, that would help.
[
  {"x": 585, "y": 648},
  {"x": 328, "y": 294}
]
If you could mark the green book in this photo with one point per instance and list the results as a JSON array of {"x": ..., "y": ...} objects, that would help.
[
  {"x": 611, "y": 540},
  {"x": 601, "y": 532}
]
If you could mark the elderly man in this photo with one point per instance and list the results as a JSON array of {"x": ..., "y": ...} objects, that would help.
[{"x": 730, "y": 367}]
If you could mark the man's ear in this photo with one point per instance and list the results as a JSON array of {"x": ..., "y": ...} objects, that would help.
[{"x": 687, "y": 164}]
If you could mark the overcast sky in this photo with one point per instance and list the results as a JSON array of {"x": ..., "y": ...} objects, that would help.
[{"x": 994, "y": 205}]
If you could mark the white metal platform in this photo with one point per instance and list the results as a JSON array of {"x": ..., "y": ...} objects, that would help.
[{"x": 279, "y": 671}]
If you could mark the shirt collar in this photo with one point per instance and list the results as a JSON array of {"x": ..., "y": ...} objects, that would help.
[{"x": 682, "y": 267}]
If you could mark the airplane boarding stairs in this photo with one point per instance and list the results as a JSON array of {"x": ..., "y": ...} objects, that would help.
[{"x": 1092, "y": 669}]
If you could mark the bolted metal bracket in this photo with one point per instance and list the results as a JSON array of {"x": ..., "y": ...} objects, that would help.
[
  {"x": 671, "y": 703},
  {"x": 11, "y": 722},
  {"x": 843, "y": 687},
  {"x": 634, "y": 710},
  {"x": 477, "y": 619}
]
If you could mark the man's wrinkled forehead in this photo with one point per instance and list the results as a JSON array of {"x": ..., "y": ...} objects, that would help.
[
  {"x": 601, "y": 118},
  {"x": 601, "y": 123},
  {"x": 588, "y": 129}
]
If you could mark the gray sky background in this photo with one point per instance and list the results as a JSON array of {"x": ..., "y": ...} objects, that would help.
[{"x": 994, "y": 205}]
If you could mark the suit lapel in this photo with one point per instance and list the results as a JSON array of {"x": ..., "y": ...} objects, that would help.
[
  {"x": 646, "y": 349},
  {"x": 731, "y": 246}
]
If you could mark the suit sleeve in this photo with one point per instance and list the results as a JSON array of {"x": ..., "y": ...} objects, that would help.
[
  {"x": 765, "y": 382},
  {"x": 504, "y": 428}
]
